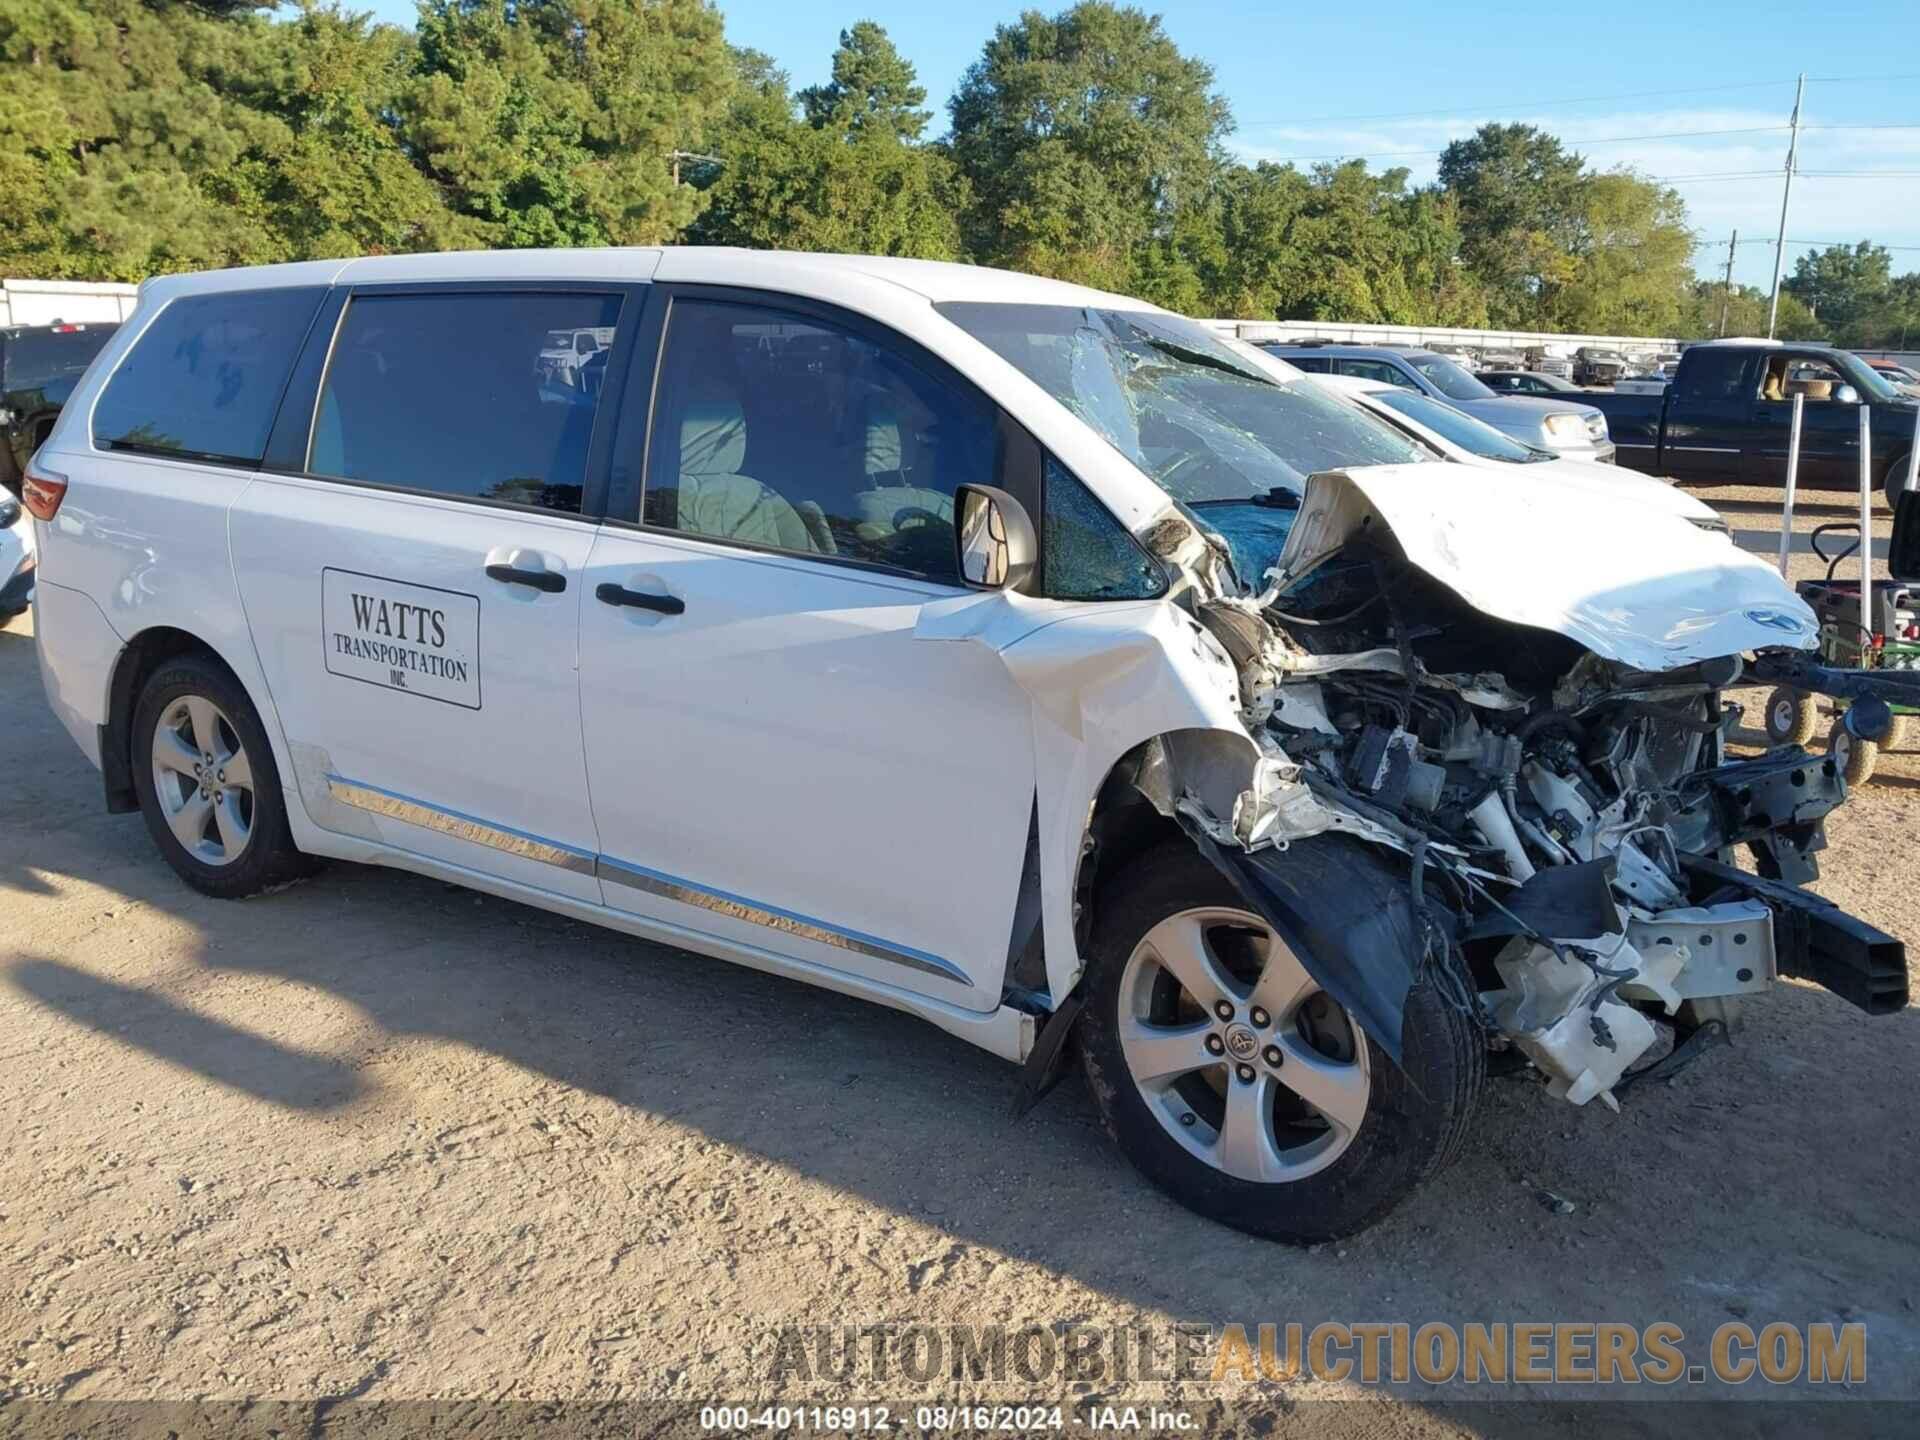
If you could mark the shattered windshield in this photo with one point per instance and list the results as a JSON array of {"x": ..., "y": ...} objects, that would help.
[
  {"x": 1448, "y": 378},
  {"x": 1205, "y": 421}
]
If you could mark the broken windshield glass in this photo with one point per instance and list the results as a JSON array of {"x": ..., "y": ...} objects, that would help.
[{"x": 1183, "y": 405}]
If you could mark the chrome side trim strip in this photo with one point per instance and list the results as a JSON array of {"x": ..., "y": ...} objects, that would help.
[
  {"x": 462, "y": 827},
  {"x": 377, "y": 801},
  {"x": 685, "y": 892},
  {"x": 1705, "y": 449}
]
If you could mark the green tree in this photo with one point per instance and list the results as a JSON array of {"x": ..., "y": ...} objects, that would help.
[
  {"x": 1521, "y": 212},
  {"x": 1745, "y": 308},
  {"x": 874, "y": 89},
  {"x": 1849, "y": 287},
  {"x": 850, "y": 183},
  {"x": 1630, "y": 267},
  {"x": 1085, "y": 137},
  {"x": 554, "y": 122}
]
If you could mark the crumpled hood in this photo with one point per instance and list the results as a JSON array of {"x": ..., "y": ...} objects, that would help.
[{"x": 1645, "y": 589}]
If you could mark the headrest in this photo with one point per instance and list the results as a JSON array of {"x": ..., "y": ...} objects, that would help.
[
  {"x": 883, "y": 455},
  {"x": 713, "y": 433}
]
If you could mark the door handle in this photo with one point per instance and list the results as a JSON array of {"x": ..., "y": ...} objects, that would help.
[
  {"x": 548, "y": 580},
  {"x": 611, "y": 594}
]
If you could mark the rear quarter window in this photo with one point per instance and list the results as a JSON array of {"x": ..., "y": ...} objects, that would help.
[{"x": 204, "y": 379}]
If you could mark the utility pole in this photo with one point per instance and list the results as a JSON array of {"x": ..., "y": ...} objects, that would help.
[
  {"x": 1786, "y": 195},
  {"x": 1726, "y": 290}
]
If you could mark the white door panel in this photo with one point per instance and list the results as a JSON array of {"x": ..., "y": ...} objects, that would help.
[
  {"x": 785, "y": 764},
  {"x": 445, "y": 701}
]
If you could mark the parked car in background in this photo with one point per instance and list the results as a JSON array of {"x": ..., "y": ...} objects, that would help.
[
  {"x": 1461, "y": 438},
  {"x": 1904, "y": 376},
  {"x": 1526, "y": 382},
  {"x": 1572, "y": 428},
  {"x": 1727, "y": 415},
  {"x": 1542, "y": 361},
  {"x": 39, "y": 366},
  {"x": 16, "y": 558},
  {"x": 1593, "y": 366},
  {"x": 1499, "y": 360}
]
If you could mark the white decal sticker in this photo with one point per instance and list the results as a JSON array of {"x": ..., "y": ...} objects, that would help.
[{"x": 405, "y": 637}]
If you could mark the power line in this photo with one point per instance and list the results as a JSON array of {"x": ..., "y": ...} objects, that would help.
[
  {"x": 1556, "y": 103},
  {"x": 1518, "y": 104},
  {"x": 1571, "y": 144}
]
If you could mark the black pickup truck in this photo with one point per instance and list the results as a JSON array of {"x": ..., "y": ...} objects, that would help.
[{"x": 1728, "y": 412}]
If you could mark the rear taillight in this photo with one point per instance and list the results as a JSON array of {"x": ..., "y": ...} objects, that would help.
[{"x": 41, "y": 491}]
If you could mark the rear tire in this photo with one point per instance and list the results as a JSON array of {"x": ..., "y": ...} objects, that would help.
[
  {"x": 1791, "y": 718},
  {"x": 1899, "y": 733},
  {"x": 1293, "y": 1171},
  {"x": 1895, "y": 481},
  {"x": 208, "y": 787}
]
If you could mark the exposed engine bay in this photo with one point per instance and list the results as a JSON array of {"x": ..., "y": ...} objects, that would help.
[{"x": 1568, "y": 821}]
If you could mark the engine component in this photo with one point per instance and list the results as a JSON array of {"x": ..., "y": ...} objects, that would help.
[{"x": 1561, "y": 1015}]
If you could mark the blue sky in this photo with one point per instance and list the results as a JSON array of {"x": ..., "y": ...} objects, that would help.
[{"x": 1323, "y": 81}]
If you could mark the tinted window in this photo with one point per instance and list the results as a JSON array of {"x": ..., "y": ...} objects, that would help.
[
  {"x": 1377, "y": 370},
  {"x": 461, "y": 394},
  {"x": 1471, "y": 435},
  {"x": 204, "y": 379},
  {"x": 1448, "y": 378},
  {"x": 788, "y": 432},
  {"x": 1087, "y": 554},
  {"x": 34, "y": 358},
  {"x": 1202, "y": 416}
]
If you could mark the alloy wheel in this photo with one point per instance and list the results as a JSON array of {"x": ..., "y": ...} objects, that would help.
[
  {"x": 1242, "y": 1058},
  {"x": 204, "y": 780}
]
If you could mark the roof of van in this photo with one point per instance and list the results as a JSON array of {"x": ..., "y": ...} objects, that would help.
[{"x": 937, "y": 280}]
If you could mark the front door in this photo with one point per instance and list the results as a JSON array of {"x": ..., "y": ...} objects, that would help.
[
  {"x": 414, "y": 590},
  {"x": 1829, "y": 428},
  {"x": 776, "y": 759}
]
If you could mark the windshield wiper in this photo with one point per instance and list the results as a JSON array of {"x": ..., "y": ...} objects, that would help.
[
  {"x": 1278, "y": 498},
  {"x": 1200, "y": 357}
]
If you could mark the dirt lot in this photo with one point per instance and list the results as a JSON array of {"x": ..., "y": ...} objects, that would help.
[{"x": 375, "y": 1136}]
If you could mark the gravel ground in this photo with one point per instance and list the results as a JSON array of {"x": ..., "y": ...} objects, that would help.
[{"x": 374, "y": 1136}]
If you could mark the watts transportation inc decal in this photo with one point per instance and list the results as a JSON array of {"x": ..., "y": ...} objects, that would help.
[{"x": 404, "y": 637}]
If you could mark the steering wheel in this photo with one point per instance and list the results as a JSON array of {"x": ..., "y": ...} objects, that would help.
[{"x": 916, "y": 514}]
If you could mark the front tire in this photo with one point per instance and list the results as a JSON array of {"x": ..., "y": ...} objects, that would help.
[
  {"x": 1239, "y": 1087},
  {"x": 208, "y": 787}
]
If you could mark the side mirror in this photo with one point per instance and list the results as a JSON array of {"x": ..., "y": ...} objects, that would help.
[
  {"x": 1845, "y": 395},
  {"x": 994, "y": 537},
  {"x": 1903, "y": 553}
]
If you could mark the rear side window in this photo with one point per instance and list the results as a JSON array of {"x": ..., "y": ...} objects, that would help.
[
  {"x": 204, "y": 379},
  {"x": 477, "y": 396}
]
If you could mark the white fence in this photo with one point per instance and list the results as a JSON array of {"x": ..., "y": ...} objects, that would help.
[
  {"x": 1427, "y": 336},
  {"x": 43, "y": 302}
]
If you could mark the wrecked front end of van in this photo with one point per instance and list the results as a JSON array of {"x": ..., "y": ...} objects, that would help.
[{"x": 1523, "y": 699}]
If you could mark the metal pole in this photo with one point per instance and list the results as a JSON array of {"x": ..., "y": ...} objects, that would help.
[
  {"x": 1866, "y": 529},
  {"x": 1786, "y": 195},
  {"x": 1793, "y": 476},
  {"x": 1726, "y": 290},
  {"x": 1913, "y": 457}
]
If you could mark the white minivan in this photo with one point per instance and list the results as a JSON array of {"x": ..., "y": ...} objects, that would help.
[{"x": 1016, "y": 655}]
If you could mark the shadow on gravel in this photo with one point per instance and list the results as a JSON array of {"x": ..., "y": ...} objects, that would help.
[
  {"x": 894, "y": 1115},
  {"x": 220, "y": 1052}
]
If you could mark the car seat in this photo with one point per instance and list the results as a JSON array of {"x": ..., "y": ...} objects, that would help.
[{"x": 715, "y": 499}]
